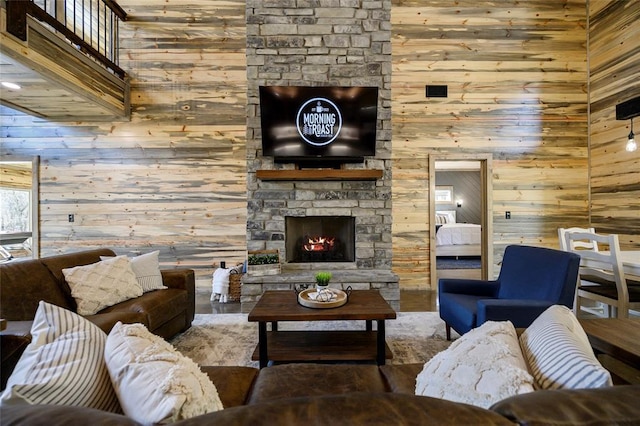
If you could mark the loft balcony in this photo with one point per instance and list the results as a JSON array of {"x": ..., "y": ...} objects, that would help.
[{"x": 63, "y": 54}]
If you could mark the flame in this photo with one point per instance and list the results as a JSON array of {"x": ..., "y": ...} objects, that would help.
[{"x": 319, "y": 243}]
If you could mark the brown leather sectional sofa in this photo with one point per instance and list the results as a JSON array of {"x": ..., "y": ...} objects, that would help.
[
  {"x": 23, "y": 284},
  {"x": 320, "y": 394},
  {"x": 288, "y": 394}
]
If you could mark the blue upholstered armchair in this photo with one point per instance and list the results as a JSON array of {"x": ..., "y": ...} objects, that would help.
[{"x": 531, "y": 279}]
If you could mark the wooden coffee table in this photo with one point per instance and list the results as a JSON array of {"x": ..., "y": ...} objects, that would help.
[{"x": 291, "y": 346}]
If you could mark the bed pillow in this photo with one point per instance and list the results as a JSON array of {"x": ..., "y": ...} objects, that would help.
[
  {"x": 153, "y": 381},
  {"x": 480, "y": 368},
  {"x": 442, "y": 218},
  {"x": 558, "y": 352},
  {"x": 102, "y": 284},
  {"x": 147, "y": 270},
  {"x": 63, "y": 364}
]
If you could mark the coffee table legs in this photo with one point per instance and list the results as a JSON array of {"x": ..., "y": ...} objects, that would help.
[
  {"x": 381, "y": 352},
  {"x": 380, "y": 341},
  {"x": 262, "y": 344}
]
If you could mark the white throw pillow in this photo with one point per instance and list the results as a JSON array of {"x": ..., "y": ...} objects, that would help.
[
  {"x": 558, "y": 352},
  {"x": 102, "y": 284},
  {"x": 481, "y": 368},
  {"x": 63, "y": 364},
  {"x": 154, "y": 382},
  {"x": 147, "y": 270}
]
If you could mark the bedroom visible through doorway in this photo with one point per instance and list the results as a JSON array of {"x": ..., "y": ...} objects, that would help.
[{"x": 459, "y": 217}]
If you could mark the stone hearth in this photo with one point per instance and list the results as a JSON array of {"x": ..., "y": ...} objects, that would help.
[{"x": 384, "y": 281}]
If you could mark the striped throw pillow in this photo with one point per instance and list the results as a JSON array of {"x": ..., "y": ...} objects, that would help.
[
  {"x": 558, "y": 353},
  {"x": 63, "y": 365}
]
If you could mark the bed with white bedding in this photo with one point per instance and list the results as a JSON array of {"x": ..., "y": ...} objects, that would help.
[{"x": 456, "y": 239}]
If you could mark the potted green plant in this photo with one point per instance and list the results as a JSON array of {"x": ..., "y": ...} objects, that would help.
[
  {"x": 263, "y": 262},
  {"x": 322, "y": 279}
]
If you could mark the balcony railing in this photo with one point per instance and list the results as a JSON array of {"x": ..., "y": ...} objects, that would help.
[{"x": 90, "y": 25}]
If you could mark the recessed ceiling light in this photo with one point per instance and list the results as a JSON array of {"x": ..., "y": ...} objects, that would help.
[{"x": 9, "y": 85}]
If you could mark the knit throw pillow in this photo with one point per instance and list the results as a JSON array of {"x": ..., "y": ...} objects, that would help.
[
  {"x": 102, "y": 284},
  {"x": 147, "y": 269},
  {"x": 154, "y": 382},
  {"x": 480, "y": 368}
]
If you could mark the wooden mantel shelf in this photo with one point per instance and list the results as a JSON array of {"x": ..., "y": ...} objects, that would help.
[{"x": 319, "y": 174}]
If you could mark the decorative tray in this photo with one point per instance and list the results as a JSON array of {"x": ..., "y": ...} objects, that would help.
[{"x": 332, "y": 298}]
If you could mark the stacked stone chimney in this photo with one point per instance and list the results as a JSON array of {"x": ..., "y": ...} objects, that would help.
[{"x": 320, "y": 43}]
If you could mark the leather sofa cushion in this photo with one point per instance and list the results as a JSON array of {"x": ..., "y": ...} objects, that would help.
[
  {"x": 20, "y": 415},
  {"x": 401, "y": 378},
  {"x": 232, "y": 382},
  {"x": 574, "y": 406},
  {"x": 106, "y": 321},
  {"x": 160, "y": 306},
  {"x": 353, "y": 409},
  {"x": 297, "y": 380},
  {"x": 24, "y": 285}
]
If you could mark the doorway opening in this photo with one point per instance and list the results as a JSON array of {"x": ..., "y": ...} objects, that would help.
[
  {"x": 19, "y": 218},
  {"x": 460, "y": 216}
]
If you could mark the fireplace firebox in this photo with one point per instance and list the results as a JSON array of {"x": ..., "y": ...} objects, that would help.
[{"x": 320, "y": 239}]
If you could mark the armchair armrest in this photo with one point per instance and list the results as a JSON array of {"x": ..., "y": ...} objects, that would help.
[
  {"x": 468, "y": 287},
  {"x": 521, "y": 312}
]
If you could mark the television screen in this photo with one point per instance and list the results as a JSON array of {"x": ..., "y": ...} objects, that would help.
[{"x": 318, "y": 123}]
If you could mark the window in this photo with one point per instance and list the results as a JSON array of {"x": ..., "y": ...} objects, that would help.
[
  {"x": 444, "y": 195},
  {"x": 15, "y": 209}
]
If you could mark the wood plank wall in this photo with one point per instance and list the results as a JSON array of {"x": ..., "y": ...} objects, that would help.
[
  {"x": 614, "y": 58},
  {"x": 173, "y": 178},
  {"x": 15, "y": 175},
  {"x": 516, "y": 76}
]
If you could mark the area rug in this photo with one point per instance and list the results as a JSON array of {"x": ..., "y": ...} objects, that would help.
[{"x": 229, "y": 339}]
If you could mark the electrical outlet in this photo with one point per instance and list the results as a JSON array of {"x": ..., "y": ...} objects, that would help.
[
  {"x": 72, "y": 217},
  {"x": 507, "y": 215}
]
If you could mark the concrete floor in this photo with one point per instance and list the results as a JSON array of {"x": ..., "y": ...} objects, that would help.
[{"x": 410, "y": 301}]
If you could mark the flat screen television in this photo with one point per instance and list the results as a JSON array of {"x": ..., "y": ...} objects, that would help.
[{"x": 318, "y": 124}]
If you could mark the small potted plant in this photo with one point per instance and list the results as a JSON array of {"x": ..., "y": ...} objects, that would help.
[{"x": 322, "y": 280}]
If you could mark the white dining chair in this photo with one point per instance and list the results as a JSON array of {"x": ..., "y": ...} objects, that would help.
[
  {"x": 594, "y": 306},
  {"x": 576, "y": 244},
  {"x": 601, "y": 277}
]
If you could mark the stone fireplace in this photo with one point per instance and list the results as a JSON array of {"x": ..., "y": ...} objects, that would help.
[{"x": 320, "y": 45}]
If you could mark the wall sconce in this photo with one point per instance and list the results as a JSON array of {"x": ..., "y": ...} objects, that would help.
[
  {"x": 631, "y": 143},
  {"x": 459, "y": 203},
  {"x": 625, "y": 111}
]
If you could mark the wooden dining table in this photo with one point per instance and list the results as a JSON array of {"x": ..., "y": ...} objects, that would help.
[{"x": 630, "y": 263}]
